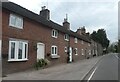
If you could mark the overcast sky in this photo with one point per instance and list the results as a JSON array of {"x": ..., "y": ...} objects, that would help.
[{"x": 92, "y": 14}]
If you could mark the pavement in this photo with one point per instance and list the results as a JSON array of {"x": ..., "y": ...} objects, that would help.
[
  {"x": 71, "y": 71},
  {"x": 105, "y": 69}
]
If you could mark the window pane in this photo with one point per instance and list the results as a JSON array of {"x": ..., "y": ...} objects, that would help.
[
  {"x": 12, "y": 20},
  {"x": 53, "y": 33},
  {"x": 65, "y": 36},
  {"x": 18, "y": 22},
  {"x": 20, "y": 50},
  {"x": 25, "y": 50},
  {"x": 55, "y": 50},
  {"x": 52, "y": 50},
  {"x": 12, "y": 50}
]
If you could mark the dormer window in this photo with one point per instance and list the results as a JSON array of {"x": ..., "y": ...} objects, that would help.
[
  {"x": 66, "y": 37},
  {"x": 76, "y": 40},
  {"x": 54, "y": 33},
  {"x": 16, "y": 21}
]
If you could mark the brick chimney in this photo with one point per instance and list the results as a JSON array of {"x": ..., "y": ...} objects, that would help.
[
  {"x": 45, "y": 13},
  {"x": 88, "y": 34},
  {"x": 81, "y": 31},
  {"x": 66, "y": 24}
]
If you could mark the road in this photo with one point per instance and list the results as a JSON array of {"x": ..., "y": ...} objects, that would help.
[{"x": 105, "y": 69}]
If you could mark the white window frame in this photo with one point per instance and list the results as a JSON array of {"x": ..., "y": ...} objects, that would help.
[
  {"x": 66, "y": 49},
  {"x": 17, "y": 42},
  {"x": 54, "y": 33},
  {"x": 16, "y": 18},
  {"x": 88, "y": 44},
  {"x": 66, "y": 37},
  {"x": 82, "y": 42},
  {"x": 89, "y": 52},
  {"x": 82, "y": 51},
  {"x": 76, "y": 51},
  {"x": 54, "y": 50},
  {"x": 76, "y": 40}
]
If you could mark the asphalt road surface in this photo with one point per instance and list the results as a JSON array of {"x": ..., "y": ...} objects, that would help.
[{"x": 105, "y": 69}]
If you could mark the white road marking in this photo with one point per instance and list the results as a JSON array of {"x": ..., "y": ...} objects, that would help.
[
  {"x": 92, "y": 74},
  {"x": 117, "y": 57}
]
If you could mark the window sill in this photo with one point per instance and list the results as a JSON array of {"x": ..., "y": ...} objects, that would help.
[
  {"x": 55, "y": 56},
  {"x": 76, "y": 54},
  {"x": 13, "y": 26},
  {"x": 15, "y": 60},
  {"x": 54, "y": 36},
  {"x": 66, "y": 40}
]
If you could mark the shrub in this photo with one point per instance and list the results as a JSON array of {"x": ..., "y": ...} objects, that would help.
[{"x": 41, "y": 63}]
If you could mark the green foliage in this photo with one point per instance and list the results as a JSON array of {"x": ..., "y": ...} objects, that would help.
[
  {"x": 101, "y": 37},
  {"x": 113, "y": 48},
  {"x": 41, "y": 63}
]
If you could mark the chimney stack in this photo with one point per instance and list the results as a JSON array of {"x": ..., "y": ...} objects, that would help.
[
  {"x": 66, "y": 24},
  {"x": 81, "y": 31},
  {"x": 45, "y": 13}
]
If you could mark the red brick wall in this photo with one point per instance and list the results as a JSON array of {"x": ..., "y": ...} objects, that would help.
[{"x": 34, "y": 32}]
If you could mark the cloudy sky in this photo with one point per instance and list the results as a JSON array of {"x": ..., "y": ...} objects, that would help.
[{"x": 92, "y": 14}]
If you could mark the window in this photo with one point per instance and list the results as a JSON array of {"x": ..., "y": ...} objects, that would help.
[
  {"x": 82, "y": 51},
  {"x": 88, "y": 44},
  {"x": 66, "y": 37},
  {"x": 75, "y": 40},
  {"x": 89, "y": 52},
  {"x": 16, "y": 21},
  {"x": 65, "y": 49},
  {"x": 54, "y": 52},
  {"x": 17, "y": 50},
  {"x": 54, "y": 33},
  {"x": 76, "y": 51},
  {"x": 82, "y": 42}
]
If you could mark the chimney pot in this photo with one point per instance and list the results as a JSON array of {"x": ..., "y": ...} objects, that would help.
[{"x": 45, "y": 13}]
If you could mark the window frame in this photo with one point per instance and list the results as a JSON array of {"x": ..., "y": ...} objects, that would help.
[
  {"x": 76, "y": 40},
  {"x": 82, "y": 42},
  {"x": 54, "y": 53},
  {"x": 82, "y": 51},
  {"x": 65, "y": 49},
  {"x": 16, "y": 52},
  {"x": 15, "y": 21},
  {"x": 54, "y": 33},
  {"x": 88, "y": 44},
  {"x": 89, "y": 52},
  {"x": 76, "y": 51},
  {"x": 66, "y": 37}
]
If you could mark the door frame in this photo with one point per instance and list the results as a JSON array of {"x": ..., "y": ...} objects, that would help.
[
  {"x": 39, "y": 43},
  {"x": 70, "y": 54}
]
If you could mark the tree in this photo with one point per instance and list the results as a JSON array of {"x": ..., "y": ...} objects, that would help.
[
  {"x": 119, "y": 46},
  {"x": 101, "y": 37}
]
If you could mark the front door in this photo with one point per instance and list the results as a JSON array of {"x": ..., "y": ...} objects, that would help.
[
  {"x": 70, "y": 54},
  {"x": 40, "y": 51}
]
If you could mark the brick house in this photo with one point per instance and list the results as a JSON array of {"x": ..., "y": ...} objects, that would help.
[{"x": 27, "y": 36}]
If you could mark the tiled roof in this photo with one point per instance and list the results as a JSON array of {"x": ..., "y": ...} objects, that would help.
[{"x": 29, "y": 14}]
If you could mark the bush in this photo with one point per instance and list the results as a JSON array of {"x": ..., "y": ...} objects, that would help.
[{"x": 41, "y": 63}]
